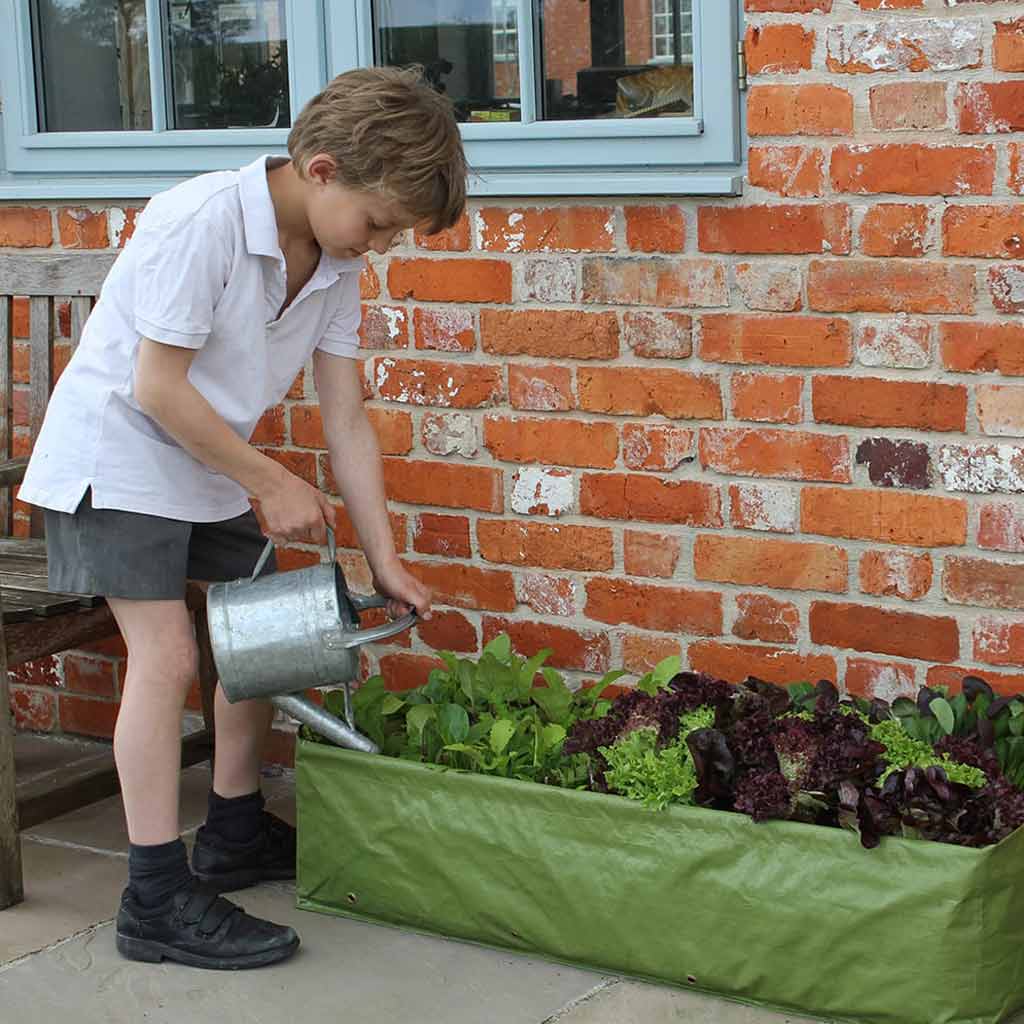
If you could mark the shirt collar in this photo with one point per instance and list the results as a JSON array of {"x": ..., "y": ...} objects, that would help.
[{"x": 261, "y": 224}]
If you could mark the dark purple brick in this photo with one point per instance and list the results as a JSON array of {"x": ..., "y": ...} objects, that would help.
[{"x": 896, "y": 463}]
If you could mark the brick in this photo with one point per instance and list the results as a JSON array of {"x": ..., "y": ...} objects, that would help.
[
  {"x": 979, "y": 581},
  {"x": 895, "y": 574},
  {"x": 393, "y": 428},
  {"x": 913, "y": 169},
  {"x": 627, "y": 390},
  {"x": 82, "y": 229},
  {"x": 767, "y": 398},
  {"x": 550, "y": 333},
  {"x": 545, "y": 279},
  {"x": 658, "y": 608},
  {"x": 297, "y": 391},
  {"x": 546, "y": 546},
  {"x": 307, "y": 426},
  {"x": 466, "y": 586},
  {"x": 91, "y": 676},
  {"x": 431, "y": 382},
  {"x": 450, "y": 280},
  {"x": 885, "y": 680},
  {"x": 384, "y": 327},
  {"x": 787, "y": 170},
  {"x": 981, "y": 469},
  {"x": 269, "y": 428},
  {"x": 736, "y": 662},
  {"x": 555, "y": 229},
  {"x": 951, "y": 676},
  {"x": 998, "y": 642},
  {"x": 866, "y": 628},
  {"x": 989, "y": 108},
  {"x": 763, "y": 452},
  {"x": 302, "y": 464},
  {"x": 908, "y": 106},
  {"x": 540, "y": 388},
  {"x": 405, "y": 671},
  {"x": 570, "y": 648},
  {"x": 420, "y": 482},
  {"x": 655, "y": 228},
  {"x": 1016, "y": 179},
  {"x": 895, "y": 463},
  {"x": 771, "y": 508},
  {"x": 782, "y": 564},
  {"x": 654, "y": 281},
  {"x": 814, "y": 228},
  {"x": 23, "y": 227},
  {"x": 369, "y": 283},
  {"x": 1001, "y": 409},
  {"x": 650, "y": 499},
  {"x": 650, "y": 554},
  {"x": 1008, "y": 49},
  {"x": 984, "y": 231},
  {"x": 789, "y": 6},
  {"x": 450, "y": 433},
  {"x": 453, "y": 239},
  {"x": 658, "y": 335},
  {"x": 345, "y": 532},
  {"x": 879, "y": 402},
  {"x": 45, "y": 671},
  {"x": 448, "y": 631},
  {"x": 775, "y": 287},
  {"x": 775, "y": 340},
  {"x": 1006, "y": 286},
  {"x": 541, "y": 490},
  {"x": 555, "y": 441},
  {"x": 661, "y": 447},
  {"x": 1001, "y": 526},
  {"x": 279, "y": 749},
  {"x": 33, "y": 710},
  {"x": 928, "y": 44},
  {"x": 983, "y": 348},
  {"x": 20, "y": 326},
  {"x": 901, "y": 342},
  {"x": 444, "y": 330},
  {"x": 799, "y": 110},
  {"x": 784, "y": 48},
  {"x": 642, "y": 652},
  {"x": 435, "y": 534},
  {"x": 892, "y": 229},
  {"x": 888, "y": 5},
  {"x": 86, "y": 716},
  {"x": 122, "y": 224},
  {"x": 764, "y": 618},
  {"x": 547, "y": 595},
  {"x": 893, "y": 286},
  {"x": 887, "y": 516}
]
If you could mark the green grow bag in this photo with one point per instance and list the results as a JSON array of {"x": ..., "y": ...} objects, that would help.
[{"x": 783, "y": 915}]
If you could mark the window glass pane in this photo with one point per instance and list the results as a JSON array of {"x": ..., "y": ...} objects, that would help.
[
  {"x": 228, "y": 64},
  {"x": 92, "y": 65},
  {"x": 617, "y": 58},
  {"x": 469, "y": 49}
]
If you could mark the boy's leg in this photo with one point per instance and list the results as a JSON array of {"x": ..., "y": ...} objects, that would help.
[{"x": 242, "y": 730}]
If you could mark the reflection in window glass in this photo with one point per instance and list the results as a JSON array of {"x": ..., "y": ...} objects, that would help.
[
  {"x": 92, "y": 65},
  {"x": 617, "y": 58},
  {"x": 229, "y": 64},
  {"x": 469, "y": 50}
]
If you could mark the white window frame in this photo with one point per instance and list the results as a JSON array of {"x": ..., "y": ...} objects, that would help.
[{"x": 698, "y": 155}]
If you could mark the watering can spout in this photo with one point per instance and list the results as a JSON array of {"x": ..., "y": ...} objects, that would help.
[{"x": 324, "y": 723}]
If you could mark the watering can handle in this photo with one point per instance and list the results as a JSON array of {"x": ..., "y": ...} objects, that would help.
[
  {"x": 376, "y": 633},
  {"x": 331, "y": 554}
]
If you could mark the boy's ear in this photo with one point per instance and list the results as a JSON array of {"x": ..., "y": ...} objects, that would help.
[{"x": 322, "y": 169}]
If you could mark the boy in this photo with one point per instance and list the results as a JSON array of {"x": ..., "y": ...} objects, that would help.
[{"x": 230, "y": 283}]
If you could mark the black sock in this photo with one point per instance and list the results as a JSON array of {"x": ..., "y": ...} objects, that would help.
[
  {"x": 237, "y": 819},
  {"x": 156, "y": 872}
]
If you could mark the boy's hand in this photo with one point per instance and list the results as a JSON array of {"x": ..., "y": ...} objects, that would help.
[
  {"x": 405, "y": 591},
  {"x": 295, "y": 510}
]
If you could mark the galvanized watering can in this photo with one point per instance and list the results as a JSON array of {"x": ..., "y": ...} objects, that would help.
[{"x": 278, "y": 635}]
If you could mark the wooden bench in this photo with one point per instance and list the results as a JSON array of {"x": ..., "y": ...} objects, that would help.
[{"x": 36, "y": 623}]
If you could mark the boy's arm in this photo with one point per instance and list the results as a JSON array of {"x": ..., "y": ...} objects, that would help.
[
  {"x": 292, "y": 509},
  {"x": 355, "y": 460}
]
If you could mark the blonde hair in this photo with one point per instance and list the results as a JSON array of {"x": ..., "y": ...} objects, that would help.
[{"x": 388, "y": 131}]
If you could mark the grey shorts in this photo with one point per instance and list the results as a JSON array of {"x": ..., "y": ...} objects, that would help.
[{"x": 112, "y": 553}]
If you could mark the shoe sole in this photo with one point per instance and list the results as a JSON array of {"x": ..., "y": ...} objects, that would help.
[
  {"x": 232, "y": 881},
  {"x": 147, "y": 951}
]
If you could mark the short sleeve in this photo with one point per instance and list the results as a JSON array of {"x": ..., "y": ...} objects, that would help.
[
  {"x": 341, "y": 337},
  {"x": 181, "y": 269}
]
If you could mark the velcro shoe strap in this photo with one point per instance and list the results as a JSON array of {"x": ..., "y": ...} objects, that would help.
[
  {"x": 201, "y": 908},
  {"x": 216, "y": 915}
]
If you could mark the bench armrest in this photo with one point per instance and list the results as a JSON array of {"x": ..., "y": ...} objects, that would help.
[{"x": 12, "y": 471}]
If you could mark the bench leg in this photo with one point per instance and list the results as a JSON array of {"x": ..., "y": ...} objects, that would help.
[{"x": 11, "y": 890}]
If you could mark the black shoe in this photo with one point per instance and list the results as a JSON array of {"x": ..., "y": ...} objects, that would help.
[
  {"x": 198, "y": 927},
  {"x": 228, "y": 866}
]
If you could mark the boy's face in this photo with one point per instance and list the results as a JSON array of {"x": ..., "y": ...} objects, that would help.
[{"x": 349, "y": 222}]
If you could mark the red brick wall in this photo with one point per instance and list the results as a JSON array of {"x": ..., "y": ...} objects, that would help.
[{"x": 778, "y": 434}]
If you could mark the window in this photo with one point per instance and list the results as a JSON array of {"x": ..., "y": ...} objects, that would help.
[{"x": 122, "y": 97}]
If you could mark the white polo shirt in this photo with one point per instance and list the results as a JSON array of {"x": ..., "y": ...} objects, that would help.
[{"x": 203, "y": 271}]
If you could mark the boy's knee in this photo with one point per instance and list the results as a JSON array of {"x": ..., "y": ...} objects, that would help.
[{"x": 176, "y": 664}]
